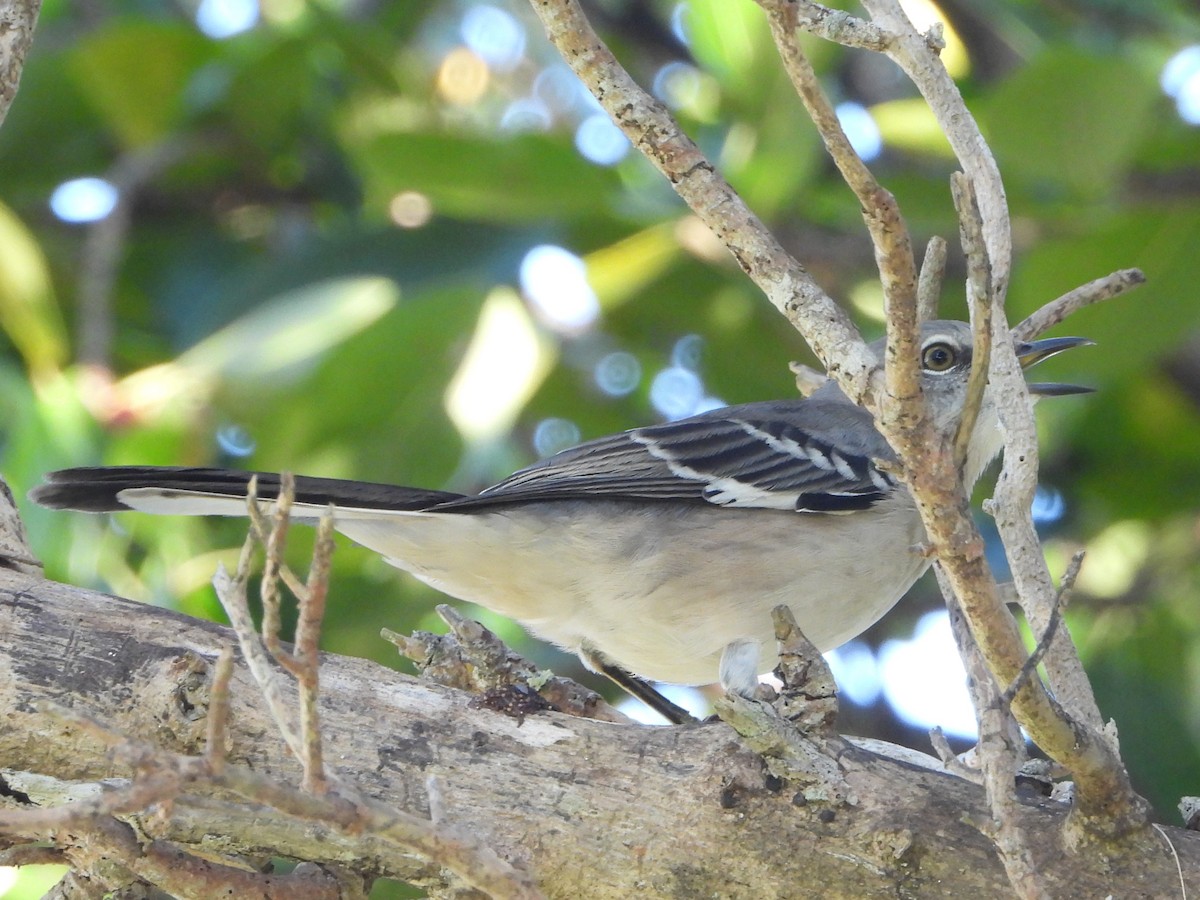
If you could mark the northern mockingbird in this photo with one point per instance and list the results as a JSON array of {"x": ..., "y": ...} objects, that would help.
[{"x": 659, "y": 551}]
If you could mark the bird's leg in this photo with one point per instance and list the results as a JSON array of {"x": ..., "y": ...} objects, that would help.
[
  {"x": 739, "y": 667},
  {"x": 636, "y": 687}
]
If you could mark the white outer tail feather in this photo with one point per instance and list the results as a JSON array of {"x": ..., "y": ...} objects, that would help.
[{"x": 175, "y": 502}]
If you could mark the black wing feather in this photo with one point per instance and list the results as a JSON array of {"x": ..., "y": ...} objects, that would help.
[
  {"x": 809, "y": 455},
  {"x": 815, "y": 455}
]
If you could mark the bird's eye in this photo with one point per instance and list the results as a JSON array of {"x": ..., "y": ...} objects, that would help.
[{"x": 938, "y": 357}]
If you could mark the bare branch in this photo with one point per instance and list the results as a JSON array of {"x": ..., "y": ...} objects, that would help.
[
  {"x": 274, "y": 541},
  {"x": 1107, "y": 802},
  {"x": 840, "y": 27},
  {"x": 979, "y": 302},
  {"x": 535, "y": 792},
  {"x": 231, "y": 591},
  {"x": 217, "y": 731},
  {"x": 1001, "y": 752},
  {"x": 917, "y": 55},
  {"x": 1047, "y": 639},
  {"x": 881, "y": 213},
  {"x": 648, "y": 124},
  {"x": 950, "y": 759},
  {"x": 1112, "y": 285},
  {"x": 929, "y": 281},
  {"x": 308, "y": 653}
]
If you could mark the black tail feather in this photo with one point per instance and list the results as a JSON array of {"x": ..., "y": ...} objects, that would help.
[{"x": 96, "y": 489}]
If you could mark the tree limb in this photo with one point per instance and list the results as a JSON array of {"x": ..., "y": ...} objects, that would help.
[{"x": 534, "y": 793}]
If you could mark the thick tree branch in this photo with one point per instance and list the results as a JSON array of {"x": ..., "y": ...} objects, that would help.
[{"x": 629, "y": 794}]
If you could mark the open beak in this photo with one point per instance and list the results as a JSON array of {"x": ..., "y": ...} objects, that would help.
[{"x": 1030, "y": 353}]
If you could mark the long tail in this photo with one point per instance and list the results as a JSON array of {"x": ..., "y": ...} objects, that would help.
[{"x": 197, "y": 492}]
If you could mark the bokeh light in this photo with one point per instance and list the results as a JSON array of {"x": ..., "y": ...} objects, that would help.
[
  {"x": 234, "y": 440},
  {"x": 687, "y": 351},
  {"x": 924, "y": 680},
  {"x": 560, "y": 89},
  {"x": 1180, "y": 80},
  {"x": 554, "y": 280},
  {"x": 410, "y": 209},
  {"x": 526, "y": 114},
  {"x": 856, "y": 671},
  {"x": 221, "y": 19},
  {"x": 1048, "y": 505},
  {"x": 495, "y": 36},
  {"x": 618, "y": 373},
  {"x": 600, "y": 141},
  {"x": 84, "y": 199},
  {"x": 462, "y": 77},
  {"x": 861, "y": 130},
  {"x": 554, "y": 434},
  {"x": 676, "y": 392}
]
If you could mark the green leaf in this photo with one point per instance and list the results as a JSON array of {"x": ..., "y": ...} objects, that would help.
[
  {"x": 134, "y": 73},
  {"x": 374, "y": 406},
  {"x": 1070, "y": 120},
  {"x": 1135, "y": 330},
  {"x": 29, "y": 312},
  {"x": 732, "y": 40},
  {"x": 522, "y": 178},
  {"x": 280, "y": 340},
  {"x": 270, "y": 97}
]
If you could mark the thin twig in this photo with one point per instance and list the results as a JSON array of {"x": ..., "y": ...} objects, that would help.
[
  {"x": 217, "y": 724},
  {"x": 1047, "y": 638},
  {"x": 880, "y": 212},
  {"x": 954, "y": 765},
  {"x": 930, "y": 279},
  {"x": 1001, "y": 752},
  {"x": 840, "y": 27},
  {"x": 655, "y": 133},
  {"x": 231, "y": 591},
  {"x": 1175, "y": 853},
  {"x": 1112, "y": 285},
  {"x": 308, "y": 654},
  {"x": 261, "y": 531},
  {"x": 273, "y": 549},
  {"x": 979, "y": 302}
]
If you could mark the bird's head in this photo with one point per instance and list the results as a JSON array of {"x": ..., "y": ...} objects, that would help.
[{"x": 946, "y": 352}]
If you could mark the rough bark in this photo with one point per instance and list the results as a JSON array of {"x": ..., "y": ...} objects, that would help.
[{"x": 588, "y": 808}]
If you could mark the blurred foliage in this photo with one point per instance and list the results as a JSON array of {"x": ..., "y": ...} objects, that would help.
[{"x": 315, "y": 210}]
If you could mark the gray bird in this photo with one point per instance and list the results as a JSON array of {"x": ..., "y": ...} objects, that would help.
[{"x": 658, "y": 552}]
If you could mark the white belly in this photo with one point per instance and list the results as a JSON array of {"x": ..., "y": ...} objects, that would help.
[{"x": 654, "y": 587}]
